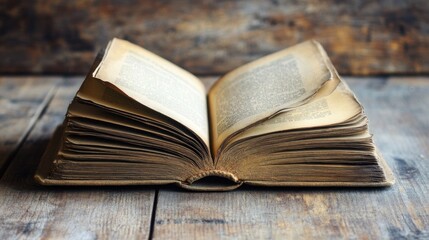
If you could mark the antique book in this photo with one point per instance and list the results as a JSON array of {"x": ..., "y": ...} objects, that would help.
[{"x": 286, "y": 119}]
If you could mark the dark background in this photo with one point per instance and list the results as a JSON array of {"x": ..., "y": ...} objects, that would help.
[{"x": 213, "y": 37}]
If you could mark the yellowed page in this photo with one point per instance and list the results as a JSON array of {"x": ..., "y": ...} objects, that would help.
[
  {"x": 96, "y": 91},
  {"x": 266, "y": 86},
  {"x": 336, "y": 108},
  {"x": 157, "y": 84}
]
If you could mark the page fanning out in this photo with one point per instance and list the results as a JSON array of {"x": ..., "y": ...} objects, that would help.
[
  {"x": 157, "y": 84},
  {"x": 336, "y": 108},
  {"x": 264, "y": 87}
]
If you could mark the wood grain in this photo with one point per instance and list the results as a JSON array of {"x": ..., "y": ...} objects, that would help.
[
  {"x": 29, "y": 211},
  {"x": 22, "y": 100},
  {"x": 213, "y": 37},
  {"x": 399, "y": 119}
]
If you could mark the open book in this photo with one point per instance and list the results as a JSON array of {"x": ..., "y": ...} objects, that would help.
[{"x": 286, "y": 119}]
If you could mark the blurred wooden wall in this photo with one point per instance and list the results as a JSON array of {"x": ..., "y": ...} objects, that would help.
[{"x": 212, "y": 37}]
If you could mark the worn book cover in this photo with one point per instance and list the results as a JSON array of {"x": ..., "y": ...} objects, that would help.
[{"x": 287, "y": 119}]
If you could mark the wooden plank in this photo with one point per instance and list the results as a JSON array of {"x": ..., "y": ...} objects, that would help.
[
  {"x": 22, "y": 99},
  {"x": 32, "y": 212},
  {"x": 399, "y": 118},
  {"x": 208, "y": 81},
  {"x": 212, "y": 37}
]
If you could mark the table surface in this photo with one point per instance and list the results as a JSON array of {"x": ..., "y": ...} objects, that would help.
[{"x": 32, "y": 107}]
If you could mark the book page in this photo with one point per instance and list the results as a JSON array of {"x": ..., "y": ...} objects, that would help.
[
  {"x": 265, "y": 87},
  {"x": 336, "y": 108},
  {"x": 157, "y": 84}
]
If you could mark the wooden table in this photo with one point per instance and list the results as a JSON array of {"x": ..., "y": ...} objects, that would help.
[{"x": 32, "y": 107}]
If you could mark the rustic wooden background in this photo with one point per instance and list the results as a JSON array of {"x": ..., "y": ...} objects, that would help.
[
  {"x": 212, "y": 37},
  {"x": 32, "y": 107}
]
